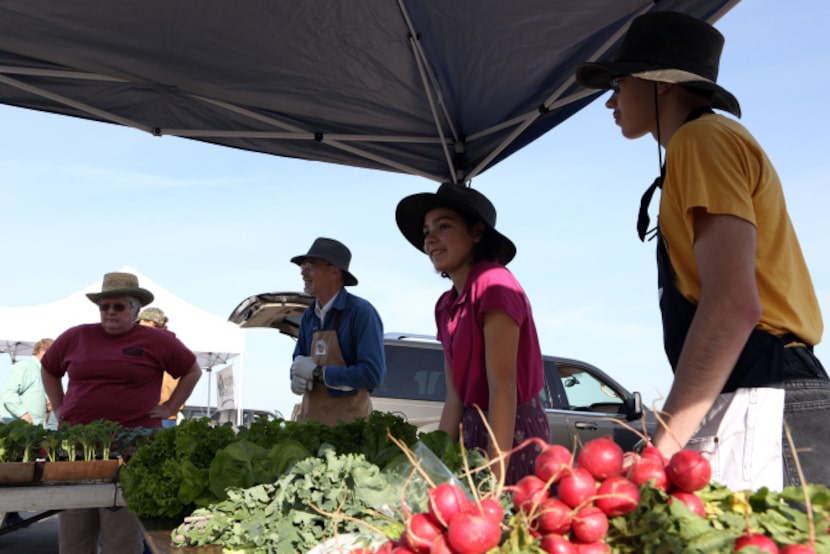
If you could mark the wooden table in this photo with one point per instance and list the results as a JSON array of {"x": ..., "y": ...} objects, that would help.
[
  {"x": 47, "y": 500},
  {"x": 60, "y": 497},
  {"x": 52, "y": 498}
]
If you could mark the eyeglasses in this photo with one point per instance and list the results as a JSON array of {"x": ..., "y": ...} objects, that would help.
[
  {"x": 615, "y": 86},
  {"x": 116, "y": 307},
  {"x": 312, "y": 265}
]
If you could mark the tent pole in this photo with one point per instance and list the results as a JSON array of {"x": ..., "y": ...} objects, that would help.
[
  {"x": 237, "y": 393},
  {"x": 209, "y": 370}
]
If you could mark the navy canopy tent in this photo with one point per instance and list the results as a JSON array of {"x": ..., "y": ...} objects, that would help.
[{"x": 438, "y": 88}]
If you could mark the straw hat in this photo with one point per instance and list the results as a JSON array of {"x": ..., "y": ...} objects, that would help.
[{"x": 121, "y": 284}]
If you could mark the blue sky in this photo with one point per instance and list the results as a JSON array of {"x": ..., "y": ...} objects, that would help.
[{"x": 214, "y": 225}]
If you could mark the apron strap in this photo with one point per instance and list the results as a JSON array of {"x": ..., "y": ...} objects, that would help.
[{"x": 645, "y": 200}]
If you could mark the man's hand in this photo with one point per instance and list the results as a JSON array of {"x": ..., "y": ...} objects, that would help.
[
  {"x": 304, "y": 367},
  {"x": 300, "y": 385}
]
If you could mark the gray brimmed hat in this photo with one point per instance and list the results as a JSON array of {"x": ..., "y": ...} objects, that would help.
[
  {"x": 121, "y": 284},
  {"x": 669, "y": 47},
  {"x": 411, "y": 211},
  {"x": 332, "y": 251}
]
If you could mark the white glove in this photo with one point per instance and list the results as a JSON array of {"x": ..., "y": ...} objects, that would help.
[
  {"x": 304, "y": 367},
  {"x": 300, "y": 385}
]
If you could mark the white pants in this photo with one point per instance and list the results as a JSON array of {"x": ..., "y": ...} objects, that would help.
[{"x": 741, "y": 437}]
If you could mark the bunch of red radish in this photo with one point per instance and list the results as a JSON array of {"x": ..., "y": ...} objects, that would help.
[
  {"x": 453, "y": 524},
  {"x": 565, "y": 505},
  {"x": 568, "y": 504}
]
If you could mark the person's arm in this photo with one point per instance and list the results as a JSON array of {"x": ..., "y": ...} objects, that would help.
[
  {"x": 180, "y": 394},
  {"x": 501, "y": 346},
  {"x": 453, "y": 409},
  {"x": 32, "y": 393},
  {"x": 10, "y": 395},
  {"x": 54, "y": 391},
  {"x": 728, "y": 310}
]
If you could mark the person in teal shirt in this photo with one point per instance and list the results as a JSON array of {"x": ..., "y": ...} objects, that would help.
[{"x": 23, "y": 396}]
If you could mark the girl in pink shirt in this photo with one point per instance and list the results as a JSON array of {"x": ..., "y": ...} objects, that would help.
[{"x": 493, "y": 361}]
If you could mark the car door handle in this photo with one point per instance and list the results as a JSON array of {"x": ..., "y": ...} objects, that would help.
[{"x": 589, "y": 425}]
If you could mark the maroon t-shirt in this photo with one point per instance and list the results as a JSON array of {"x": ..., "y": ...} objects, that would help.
[{"x": 115, "y": 377}]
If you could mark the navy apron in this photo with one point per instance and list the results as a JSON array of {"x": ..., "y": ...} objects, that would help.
[{"x": 761, "y": 361}]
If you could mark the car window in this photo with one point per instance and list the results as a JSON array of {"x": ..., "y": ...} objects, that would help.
[
  {"x": 586, "y": 391},
  {"x": 545, "y": 397},
  {"x": 551, "y": 395},
  {"x": 413, "y": 373}
]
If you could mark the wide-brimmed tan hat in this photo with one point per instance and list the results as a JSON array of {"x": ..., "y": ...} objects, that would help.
[
  {"x": 669, "y": 47},
  {"x": 332, "y": 251},
  {"x": 121, "y": 284},
  {"x": 410, "y": 213}
]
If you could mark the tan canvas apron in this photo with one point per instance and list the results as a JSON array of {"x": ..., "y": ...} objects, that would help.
[{"x": 317, "y": 404}]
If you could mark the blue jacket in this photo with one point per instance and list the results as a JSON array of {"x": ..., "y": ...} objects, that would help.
[{"x": 360, "y": 334}]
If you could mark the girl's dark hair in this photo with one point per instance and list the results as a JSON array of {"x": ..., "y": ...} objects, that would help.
[{"x": 485, "y": 249}]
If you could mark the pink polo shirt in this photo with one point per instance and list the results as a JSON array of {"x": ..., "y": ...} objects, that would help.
[{"x": 489, "y": 286}]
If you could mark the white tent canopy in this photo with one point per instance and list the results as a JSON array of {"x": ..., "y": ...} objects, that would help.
[{"x": 213, "y": 339}]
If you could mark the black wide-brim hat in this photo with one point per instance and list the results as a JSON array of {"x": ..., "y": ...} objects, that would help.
[
  {"x": 332, "y": 251},
  {"x": 669, "y": 47},
  {"x": 410, "y": 213}
]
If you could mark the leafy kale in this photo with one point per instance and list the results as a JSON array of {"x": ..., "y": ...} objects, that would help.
[
  {"x": 197, "y": 440},
  {"x": 281, "y": 517},
  {"x": 193, "y": 464},
  {"x": 102, "y": 439},
  {"x": 367, "y": 436},
  {"x": 20, "y": 441},
  {"x": 145, "y": 479},
  {"x": 163, "y": 478}
]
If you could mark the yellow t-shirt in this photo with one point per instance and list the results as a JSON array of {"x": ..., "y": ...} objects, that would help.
[{"x": 714, "y": 163}]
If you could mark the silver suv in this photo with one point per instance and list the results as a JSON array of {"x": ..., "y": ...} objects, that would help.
[{"x": 581, "y": 401}]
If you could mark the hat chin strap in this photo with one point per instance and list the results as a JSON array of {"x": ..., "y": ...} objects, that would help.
[
  {"x": 645, "y": 200},
  {"x": 642, "y": 217}
]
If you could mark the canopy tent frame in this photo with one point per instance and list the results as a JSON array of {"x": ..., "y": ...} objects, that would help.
[
  {"x": 16, "y": 347},
  {"x": 464, "y": 152}
]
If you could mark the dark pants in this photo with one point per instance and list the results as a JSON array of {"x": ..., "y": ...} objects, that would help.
[
  {"x": 807, "y": 414},
  {"x": 116, "y": 530}
]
